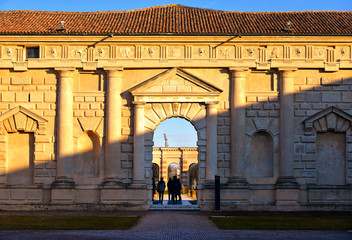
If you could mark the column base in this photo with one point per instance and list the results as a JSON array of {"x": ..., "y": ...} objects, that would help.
[
  {"x": 286, "y": 181},
  {"x": 63, "y": 182},
  {"x": 238, "y": 181},
  {"x": 111, "y": 181}
]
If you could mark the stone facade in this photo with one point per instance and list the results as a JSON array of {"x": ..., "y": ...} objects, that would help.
[{"x": 273, "y": 116}]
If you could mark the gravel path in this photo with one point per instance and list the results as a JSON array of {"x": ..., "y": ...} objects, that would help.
[{"x": 175, "y": 225}]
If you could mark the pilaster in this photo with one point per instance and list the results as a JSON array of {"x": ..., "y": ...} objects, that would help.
[
  {"x": 211, "y": 154},
  {"x": 138, "y": 143}
]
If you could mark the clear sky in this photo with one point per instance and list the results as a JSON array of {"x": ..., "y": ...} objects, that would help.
[
  {"x": 231, "y": 5},
  {"x": 179, "y": 131}
]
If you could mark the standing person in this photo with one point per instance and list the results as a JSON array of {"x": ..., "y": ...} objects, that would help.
[
  {"x": 161, "y": 188},
  {"x": 178, "y": 190},
  {"x": 154, "y": 188},
  {"x": 169, "y": 188}
]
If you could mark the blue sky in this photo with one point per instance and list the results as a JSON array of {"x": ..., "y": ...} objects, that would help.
[
  {"x": 231, "y": 5},
  {"x": 179, "y": 131}
]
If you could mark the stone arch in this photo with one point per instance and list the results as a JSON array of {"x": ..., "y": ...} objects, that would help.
[
  {"x": 195, "y": 113},
  {"x": 86, "y": 160},
  {"x": 330, "y": 130},
  {"x": 262, "y": 155},
  {"x": 21, "y": 126},
  {"x": 269, "y": 128}
]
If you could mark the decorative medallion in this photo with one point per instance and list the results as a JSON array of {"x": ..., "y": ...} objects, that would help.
[
  {"x": 201, "y": 52},
  {"x": 250, "y": 52},
  {"x": 298, "y": 52},
  {"x": 175, "y": 52},
  {"x": 101, "y": 52},
  {"x": 53, "y": 52},
  {"x": 126, "y": 52},
  {"x": 150, "y": 52},
  {"x": 9, "y": 52},
  {"x": 319, "y": 52},
  {"x": 225, "y": 52},
  {"x": 343, "y": 52},
  {"x": 274, "y": 53}
]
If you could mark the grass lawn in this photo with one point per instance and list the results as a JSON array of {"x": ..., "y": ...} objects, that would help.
[
  {"x": 284, "y": 223},
  {"x": 67, "y": 222}
]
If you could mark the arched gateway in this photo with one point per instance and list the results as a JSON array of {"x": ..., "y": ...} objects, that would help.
[{"x": 175, "y": 93}]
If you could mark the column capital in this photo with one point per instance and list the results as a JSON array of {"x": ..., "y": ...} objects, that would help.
[
  {"x": 238, "y": 69},
  {"x": 112, "y": 68},
  {"x": 287, "y": 69},
  {"x": 211, "y": 103}
]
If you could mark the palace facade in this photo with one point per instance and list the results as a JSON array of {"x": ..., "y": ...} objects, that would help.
[{"x": 270, "y": 95}]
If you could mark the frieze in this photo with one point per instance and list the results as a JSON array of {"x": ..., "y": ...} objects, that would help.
[
  {"x": 126, "y": 52},
  {"x": 175, "y": 52}
]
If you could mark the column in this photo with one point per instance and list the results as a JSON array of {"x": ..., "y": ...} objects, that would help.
[
  {"x": 238, "y": 124},
  {"x": 113, "y": 126},
  {"x": 138, "y": 143},
  {"x": 212, "y": 145},
  {"x": 64, "y": 130},
  {"x": 287, "y": 127}
]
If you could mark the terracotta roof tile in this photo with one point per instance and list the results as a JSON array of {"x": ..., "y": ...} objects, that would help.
[{"x": 176, "y": 19}]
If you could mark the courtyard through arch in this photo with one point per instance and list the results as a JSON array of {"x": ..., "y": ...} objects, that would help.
[{"x": 175, "y": 154}]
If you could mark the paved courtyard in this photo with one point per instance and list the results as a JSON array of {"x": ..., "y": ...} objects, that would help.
[{"x": 175, "y": 225}]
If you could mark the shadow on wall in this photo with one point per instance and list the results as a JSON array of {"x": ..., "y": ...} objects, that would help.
[{"x": 322, "y": 148}]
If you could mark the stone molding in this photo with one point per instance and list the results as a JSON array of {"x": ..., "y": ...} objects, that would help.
[
  {"x": 339, "y": 124},
  {"x": 22, "y": 119}
]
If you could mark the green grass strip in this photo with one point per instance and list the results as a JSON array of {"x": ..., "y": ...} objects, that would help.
[
  {"x": 284, "y": 223},
  {"x": 67, "y": 222}
]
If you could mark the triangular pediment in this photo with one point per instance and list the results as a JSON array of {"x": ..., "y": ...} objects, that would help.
[
  {"x": 330, "y": 118},
  {"x": 22, "y": 119},
  {"x": 174, "y": 82}
]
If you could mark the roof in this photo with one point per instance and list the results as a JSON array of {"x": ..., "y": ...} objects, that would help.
[{"x": 177, "y": 20}]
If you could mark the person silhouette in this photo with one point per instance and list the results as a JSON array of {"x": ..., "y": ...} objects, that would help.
[
  {"x": 169, "y": 188},
  {"x": 161, "y": 188}
]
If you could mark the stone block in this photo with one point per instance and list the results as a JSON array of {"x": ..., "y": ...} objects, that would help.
[
  {"x": 89, "y": 113},
  {"x": 15, "y": 88},
  {"x": 8, "y": 97},
  {"x": 313, "y": 81},
  {"x": 251, "y": 113},
  {"x": 308, "y": 139},
  {"x": 287, "y": 196},
  {"x": 300, "y": 113},
  {"x": 50, "y": 97},
  {"x": 330, "y": 81},
  {"x": 84, "y": 106},
  {"x": 300, "y": 97},
  {"x": 49, "y": 113},
  {"x": 78, "y": 113},
  {"x": 347, "y": 97},
  {"x": 322, "y": 88},
  {"x": 50, "y": 81},
  {"x": 311, "y": 113},
  {"x": 313, "y": 97},
  {"x": 34, "y": 194},
  {"x": 224, "y": 130},
  {"x": 300, "y": 81},
  {"x": 62, "y": 195},
  {"x": 22, "y": 97},
  {"x": 36, "y": 97},
  {"x": 29, "y": 88},
  {"x": 310, "y": 165},
  {"x": 331, "y": 97},
  {"x": 223, "y": 148},
  {"x": 18, "y": 194},
  {"x": 308, "y": 174},
  {"x": 37, "y": 80},
  {"x": 251, "y": 99},
  {"x": 308, "y": 157},
  {"x": 87, "y": 196},
  {"x": 340, "y": 88},
  {"x": 79, "y": 99},
  {"x": 126, "y": 147},
  {"x": 42, "y": 106},
  {"x": 318, "y": 106},
  {"x": 43, "y": 88},
  {"x": 257, "y": 106},
  {"x": 99, "y": 99},
  {"x": 5, "y": 194},
  {"x": 21, "y": 80},
  {"x": 95, "y": 106},
  {"x": 273, "y": 113},
  {"x": 262, "y": 113},
  {"x": 89, "y": 99}
]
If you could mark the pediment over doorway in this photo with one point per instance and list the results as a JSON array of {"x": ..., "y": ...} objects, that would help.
[
  {"x": 175, "y": 85},
  {"x": 330, "y": 118},
  {"x": 22, "y": 119}
]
